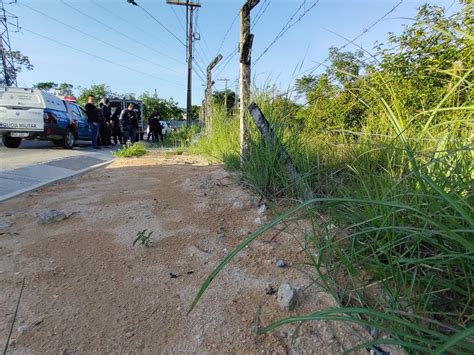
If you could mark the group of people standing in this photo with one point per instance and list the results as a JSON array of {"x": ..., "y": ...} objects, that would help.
[{"x": 121, "y": 127}]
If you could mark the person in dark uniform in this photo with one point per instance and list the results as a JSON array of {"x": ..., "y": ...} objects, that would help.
[
  {"x": 106, "y": 124},
  {"x": 93, "y": 118},
  {"x": 116, "y": 131},
  {"x": 129, "y": 122},
  {"x": 155, "y": 126}
]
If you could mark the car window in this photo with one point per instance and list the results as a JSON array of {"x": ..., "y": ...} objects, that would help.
[
  {"x": 75, "y": 111},
  {"x": 84, "y": 114}
]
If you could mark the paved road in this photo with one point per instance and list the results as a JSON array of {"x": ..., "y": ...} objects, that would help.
[{"x": 37, "y": 163}]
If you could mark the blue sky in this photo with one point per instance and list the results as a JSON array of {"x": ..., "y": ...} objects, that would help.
[{"x": 126, "y": 36}]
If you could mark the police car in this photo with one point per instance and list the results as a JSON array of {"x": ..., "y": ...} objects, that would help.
[{"x": 34, "y": 114}]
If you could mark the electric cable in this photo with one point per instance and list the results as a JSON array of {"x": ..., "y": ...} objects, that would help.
[
  {"x": 95, "y": 38},
  {"x": 161, "y": 24},
  {"x": 96, "y": 3},
  {"x": 98, "y": 57},
  {"x": 115, "y": 30}
]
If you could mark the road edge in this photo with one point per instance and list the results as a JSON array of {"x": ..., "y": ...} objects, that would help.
[{"x": 45, "y": 183}]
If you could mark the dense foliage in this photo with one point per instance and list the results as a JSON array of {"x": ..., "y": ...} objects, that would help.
[{"x": 385, "y": 142}]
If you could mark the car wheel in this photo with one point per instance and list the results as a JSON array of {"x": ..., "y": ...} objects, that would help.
[
  {"x": 69, "y": 139},
  {"x": 11, "y": 142}
]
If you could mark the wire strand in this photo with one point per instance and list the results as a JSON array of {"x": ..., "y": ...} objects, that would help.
[
  {"x": 116, "y": 31},
  {"x": 98, "y": 57},
  {"x": 289, "y": 24},
  {"x": 95, "y": 38},
  {"x": 161, "y": 24},
  {"x": 96, "y": 3}
]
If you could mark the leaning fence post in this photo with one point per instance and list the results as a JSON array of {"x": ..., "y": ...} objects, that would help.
[{"x": 270, "y": 137}]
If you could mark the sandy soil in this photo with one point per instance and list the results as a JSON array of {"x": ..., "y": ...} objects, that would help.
[{"x": 88, "y": 290}]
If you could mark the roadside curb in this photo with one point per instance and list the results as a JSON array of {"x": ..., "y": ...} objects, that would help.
[{"x": 45, "y": 183}]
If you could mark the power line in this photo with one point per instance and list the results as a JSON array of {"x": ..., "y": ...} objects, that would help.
[
  {"x": 97, "y": 57},
  {"x": 227, "y": 61},
  {"x": 179, "y": 20},
  {"x": 163, "y": 26},
  {"x": 115, "y": 30},
  {"x": 263, "y": 9},
  {"x": 289, "y": 24},
  {"x": 134, "y": 26},
  {"x": 366, "y": 30},
  {"x": 95, "y": 38},
  {"x": 228, "y": 31},
  {"x": 202, "y": 71}
]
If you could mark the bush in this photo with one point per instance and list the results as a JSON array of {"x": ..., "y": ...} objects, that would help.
[{"x": 135, "y": 150}]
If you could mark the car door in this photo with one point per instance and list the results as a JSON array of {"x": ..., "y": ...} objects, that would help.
[{"x": 83, "y": 126}]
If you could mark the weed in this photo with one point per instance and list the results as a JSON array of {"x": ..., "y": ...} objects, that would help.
[
  {"x": 135, "y": 150},
  {"x": 143, "y": 238}
]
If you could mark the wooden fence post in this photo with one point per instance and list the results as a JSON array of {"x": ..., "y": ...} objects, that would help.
[
  {"x": 271, "y": 139},
  {"x": 245, "y": 47}
]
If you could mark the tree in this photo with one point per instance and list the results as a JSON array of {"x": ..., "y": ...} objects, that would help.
[
  {"x": 45, "y": 85},
  {"x": 305, "y": 84},
  {"x": 65, "y": 89},
  {"x": 20, "y": 62},
  {"x": 168, "y": 108},
  {"x": 345, "y": 67},
  {"x": 219, "y": 98},
  {"x": 100, "y": 91}
]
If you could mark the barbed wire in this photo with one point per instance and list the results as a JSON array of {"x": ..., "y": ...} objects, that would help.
[
  {"x": 259, "y": 14},
  {"x": 228, "y": 31},
  {"x": 289, "y": 24},
  {"x": 365, "y": 31}
]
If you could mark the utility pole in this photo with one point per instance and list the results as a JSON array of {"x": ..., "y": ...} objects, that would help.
[
  {"x": 208, "y": 95},
  {"x": 7, "y": 70},
  {"x": 245, "y": 47},
  {"x": 225, "y": 91},
  {"x": 190, "y": 37}
]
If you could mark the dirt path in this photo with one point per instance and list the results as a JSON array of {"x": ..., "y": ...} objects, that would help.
[{"x": 87, "y": 290}]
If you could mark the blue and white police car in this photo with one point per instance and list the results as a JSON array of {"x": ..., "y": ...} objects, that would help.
[{"x": 34, "y": 114}]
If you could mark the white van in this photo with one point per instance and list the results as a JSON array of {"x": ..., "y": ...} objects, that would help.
[{"x": 31, "y": 113}]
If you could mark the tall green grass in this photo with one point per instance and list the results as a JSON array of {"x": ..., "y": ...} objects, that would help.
[
  {"x": 400, "y": 260},
  {"x": 391, "y": 232}
]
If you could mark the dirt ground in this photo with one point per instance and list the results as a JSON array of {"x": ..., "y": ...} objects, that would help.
[{"x": 88, "y": 290}]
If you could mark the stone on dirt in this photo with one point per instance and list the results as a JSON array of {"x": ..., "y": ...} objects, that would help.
[
  {"x": 51, "y": 216},
  {"x": 262, "y": 209},
  {"x": 238, "y": 205},
  {"x": 5, "y": 225},
  {"x": 22, "y": 329},
  {"x": 280, "y": 263},
  {"x": 286, "y": 297},
  {"x": 260, "y": 220}
]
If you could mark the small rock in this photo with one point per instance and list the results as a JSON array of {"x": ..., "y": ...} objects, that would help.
[
  {"x": 187, "y": 181},
  {"x": 51, "y": 216},
  {"x": 286, "y": 297},
  {"x": 238, "y": 205},
  {"x": 220, "y": 236},
  {"x": 262, "y": 209},
  {"x": 280, "y": 263},
  {"x": 5, "y": 225},
  {"x": 22, "y": 329},
  {"x": 260, "y": 220}
]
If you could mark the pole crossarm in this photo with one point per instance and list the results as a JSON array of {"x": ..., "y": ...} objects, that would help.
[
  {"x": 214, "y": 62},
  {"x": 183, "y": 3}
]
